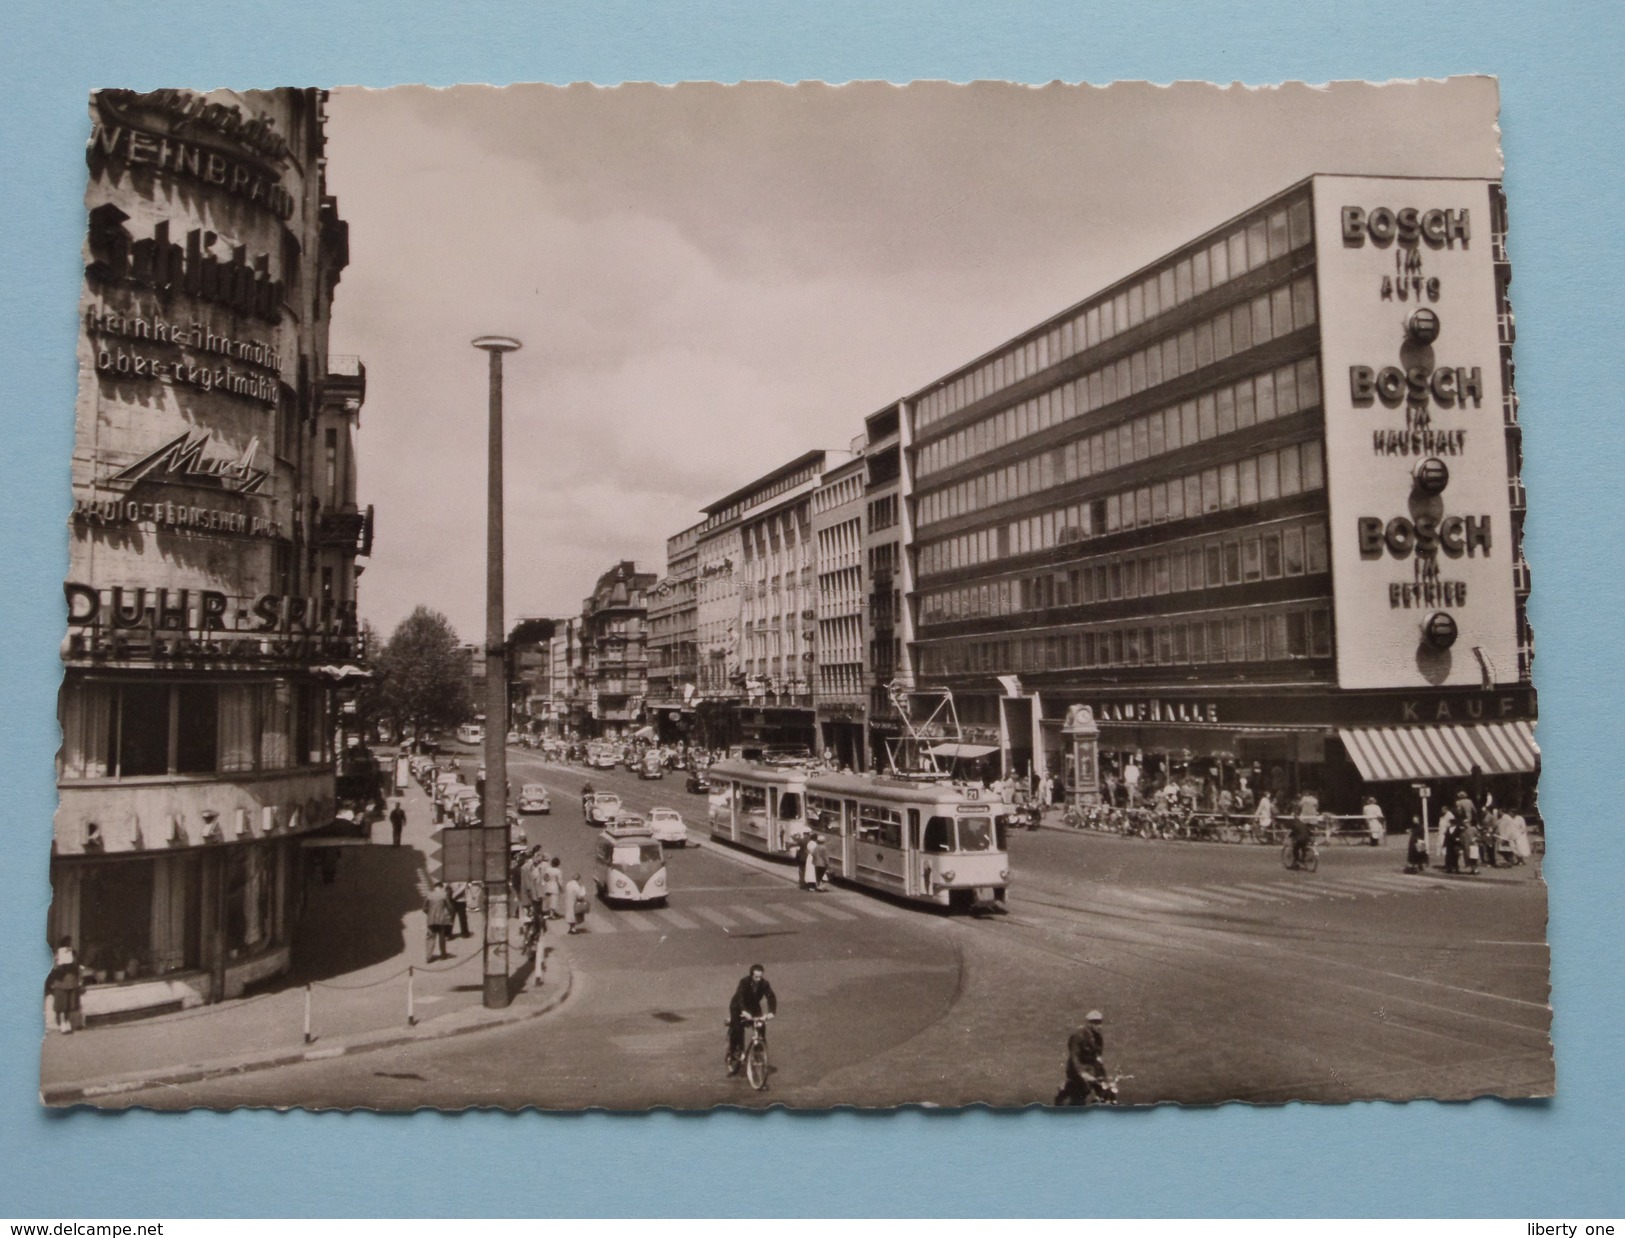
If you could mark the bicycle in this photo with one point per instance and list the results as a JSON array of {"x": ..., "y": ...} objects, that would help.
[
  {"x": 1311, "y": 856},
  {"x": 754, "y": 1055}
]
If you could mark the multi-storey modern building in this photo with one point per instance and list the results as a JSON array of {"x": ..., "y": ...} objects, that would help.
[
  {"x": 211, "y": 584},
  {"x": 888, "y": 626},
  {"x": 756, "y": 609},
  {"x": 840, "y": 694},
  {"x": 674, "y": 636},
  {"x": 563, "y": 658},
  {"x": 1253, "y": 506},
  {"x": 616, "y": 658}
]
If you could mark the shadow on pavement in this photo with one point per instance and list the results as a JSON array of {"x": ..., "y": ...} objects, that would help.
[{"x": 359, "y": 920}]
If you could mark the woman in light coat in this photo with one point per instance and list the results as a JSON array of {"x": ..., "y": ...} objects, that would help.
[{"x": 575, "y": 903}]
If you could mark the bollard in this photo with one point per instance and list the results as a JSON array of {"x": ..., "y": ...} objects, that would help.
[
  {"x": 307, "y": 1014},
  {"x": 411, "y": 1013}
]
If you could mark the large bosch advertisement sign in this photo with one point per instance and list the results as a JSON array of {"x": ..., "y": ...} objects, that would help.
[{"x": 1416, "y": 458}]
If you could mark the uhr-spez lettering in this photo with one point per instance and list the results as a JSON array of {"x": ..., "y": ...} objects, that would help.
[{"x": 172, "y": 610}]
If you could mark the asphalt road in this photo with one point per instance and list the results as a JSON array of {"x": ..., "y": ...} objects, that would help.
[{"x": 1222, "y": 976}]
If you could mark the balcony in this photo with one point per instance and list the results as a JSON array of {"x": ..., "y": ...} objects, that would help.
[
  {"x": 349, "y": 531},
  {"x": 1517, "y": 496}
]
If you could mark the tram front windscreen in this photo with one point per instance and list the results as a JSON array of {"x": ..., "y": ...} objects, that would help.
[{"x": 973, "y": 833}]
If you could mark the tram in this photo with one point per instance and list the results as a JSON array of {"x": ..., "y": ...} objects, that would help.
[
  {"x": 759, "y": 807},
  {"x": 927, "y": 840}
]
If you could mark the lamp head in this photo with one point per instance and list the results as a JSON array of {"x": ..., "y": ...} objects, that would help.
[{"x": 497, "y": 343}]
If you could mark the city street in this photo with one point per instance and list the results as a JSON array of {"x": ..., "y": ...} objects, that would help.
[{"x": 1221, "y": 975}]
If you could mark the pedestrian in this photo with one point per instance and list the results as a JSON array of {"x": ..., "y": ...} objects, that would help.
[
  {"x": 552, "y": 890},
  {"x": 530, "y": 891},
  {"x": 575, "y": 903},
  {"x": 1416, "y": 851},
  {"x": 1450, "y": 830},
  {"x": 1131, "y": 783},
  {"x": 1264, "y": 816},
  {"x": 459, "y": 907},
  {"x": 437, "y": 913},
  {"x": 820, "y": 859},
  {"x": 1375, "y": 824},
  {"x": 397, "y": 822},
  {"x": 804, "y": 863},
  {"x": 63, "y": 986}
]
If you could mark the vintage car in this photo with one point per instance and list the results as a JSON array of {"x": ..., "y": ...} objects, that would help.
[
  {"x": 601, "y": 807},
  {"x": 697, "y": 782},
  {"x": 668, "y": 827},
  {"x": 533, "y": 797}
]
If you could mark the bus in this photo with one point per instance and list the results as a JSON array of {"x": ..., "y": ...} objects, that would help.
[
  {"x": 930, "y": 841},
  {"x": 759, "y": 807}
]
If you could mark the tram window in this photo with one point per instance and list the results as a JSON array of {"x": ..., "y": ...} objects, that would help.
[
  {"x": 752, "y": 799},
  {"x": 939, "y": 835},
  {"x": 789, "y": 806},
  {"x": 1001, "y": 833},
  {"x": 975, "y": 834}
]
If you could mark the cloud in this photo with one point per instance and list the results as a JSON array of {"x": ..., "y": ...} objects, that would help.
[{"x": 711, "y": 280}]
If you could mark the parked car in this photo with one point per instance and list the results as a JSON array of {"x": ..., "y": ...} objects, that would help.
[
  {"x": 668, "y": 827},
  {"x": 601, "y": 807},
  {"x": 533, "y": 797},
  {"x": 463, "y": 804},
  {"x": 697, "y": 782}
]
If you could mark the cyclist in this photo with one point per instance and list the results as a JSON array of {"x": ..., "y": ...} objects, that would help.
[
  {"x": 753, "y": 999},
  {"x": 1303, "y": 826},
  {"x": 1085, "y": 1070}
]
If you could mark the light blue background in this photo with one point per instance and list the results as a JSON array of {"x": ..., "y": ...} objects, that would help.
[{"x": 1561, "y": 97}]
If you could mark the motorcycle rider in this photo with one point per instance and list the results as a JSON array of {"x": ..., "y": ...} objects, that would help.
[
  {"x": 1085, "y": 1069},
  {"x": 753, "y": 999}
]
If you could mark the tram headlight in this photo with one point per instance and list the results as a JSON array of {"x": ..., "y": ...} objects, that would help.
[
  {"x": 947, "y": 874},
  {"x": 1004, "y": 874}
]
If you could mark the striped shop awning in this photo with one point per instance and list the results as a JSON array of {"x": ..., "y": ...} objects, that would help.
[{"x": 1419, "y": 753}]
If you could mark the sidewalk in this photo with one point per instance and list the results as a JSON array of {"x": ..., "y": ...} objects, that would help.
[{"x": 359, "y": 943}]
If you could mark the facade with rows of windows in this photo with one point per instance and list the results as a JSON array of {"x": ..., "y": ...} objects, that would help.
[
  {"x": 1252, "y": 507},
  {"x": 839, "y": 692},
  {"x": 212, "y": 551}
]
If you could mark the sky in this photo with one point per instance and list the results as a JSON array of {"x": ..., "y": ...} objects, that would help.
[{"x": 711, "y": 280}]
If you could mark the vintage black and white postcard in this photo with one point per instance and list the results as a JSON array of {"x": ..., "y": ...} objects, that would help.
[{"x": 807, "y": 595}]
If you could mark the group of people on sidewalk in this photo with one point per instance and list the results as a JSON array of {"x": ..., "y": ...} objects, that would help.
[
  {"x": 544, "y": 894},
  {"x": 1471, "y": 834},
  {"x": 812, "y": 863}
]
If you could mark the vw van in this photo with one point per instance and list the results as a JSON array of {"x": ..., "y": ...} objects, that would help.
[{"x": 629, "y": 866}]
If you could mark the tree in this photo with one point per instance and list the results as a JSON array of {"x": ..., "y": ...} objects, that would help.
[{"x": 424, "y": 674}]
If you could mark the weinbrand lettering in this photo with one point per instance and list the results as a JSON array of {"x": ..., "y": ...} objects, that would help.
[{"x": 135, "y": 148}]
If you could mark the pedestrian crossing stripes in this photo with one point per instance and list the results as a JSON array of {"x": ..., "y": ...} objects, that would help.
[
  {"x": 1282, "y": 892},
  {"x": 730, "y": 918}
]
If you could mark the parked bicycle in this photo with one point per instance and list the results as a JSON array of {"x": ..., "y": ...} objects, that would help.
[{"x": 753, "y": 1057}]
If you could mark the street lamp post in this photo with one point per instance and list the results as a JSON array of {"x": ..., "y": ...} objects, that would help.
[{"x": 494, "y": 804}]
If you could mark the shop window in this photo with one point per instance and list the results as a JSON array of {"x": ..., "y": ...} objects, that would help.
[
  {"x": 143, "y": 730},
  {"x": 115, "y": 919}
]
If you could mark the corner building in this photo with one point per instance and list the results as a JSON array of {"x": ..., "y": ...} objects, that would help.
[
  {"x": 1253, "y": 506},
  {"x": 212, "y": 549}
]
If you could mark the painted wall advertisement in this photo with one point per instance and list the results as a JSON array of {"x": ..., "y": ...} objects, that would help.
[{"x": 1416, "y": 456}]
